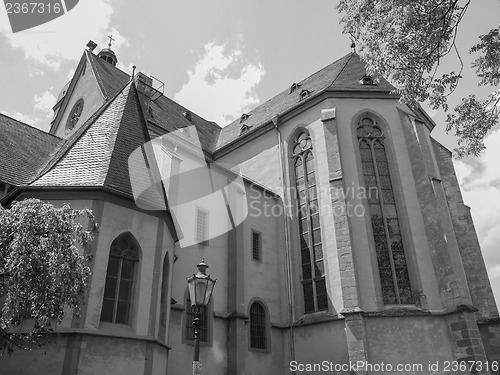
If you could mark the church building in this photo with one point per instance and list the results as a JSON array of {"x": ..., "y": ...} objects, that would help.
[{"x": 343, "y": 245}]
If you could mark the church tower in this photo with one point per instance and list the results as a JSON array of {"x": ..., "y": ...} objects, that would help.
[{"x": 107, "y": 54}]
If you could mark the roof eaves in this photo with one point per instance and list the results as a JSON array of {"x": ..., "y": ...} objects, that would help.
[{"x": 254, "y": 131}]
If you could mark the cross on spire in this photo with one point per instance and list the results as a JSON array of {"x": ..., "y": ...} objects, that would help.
[{"x": 111, "y": 39}]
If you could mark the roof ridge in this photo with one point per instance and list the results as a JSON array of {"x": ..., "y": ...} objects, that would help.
[
  {"x": 28, "y": 125},
  {"x": 131, "y": 107},
  {"x": 302, "y": 80},
  {"x": 100, "y": 67},
  {"x": 327, "y": 66},
  {"x": 98, "y": 78},
  {"x": 341, "y": 70},
  {"x": 71, "y": 141}
]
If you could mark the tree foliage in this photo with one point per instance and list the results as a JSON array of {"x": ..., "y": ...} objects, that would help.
[
  {"x": 41, "y": 269},
  {"x": 406, "y": 41}
]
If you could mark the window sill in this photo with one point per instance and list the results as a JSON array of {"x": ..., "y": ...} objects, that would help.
[
  {"x": 316, "y": 318},
  {"x": 259, "y": 351},
  {"x": 115, "y": 328}
]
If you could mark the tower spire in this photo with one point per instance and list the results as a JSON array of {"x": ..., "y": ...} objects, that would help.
[
  {"x": 111, "y": 39},
  {"x": 107, "y": 54}
]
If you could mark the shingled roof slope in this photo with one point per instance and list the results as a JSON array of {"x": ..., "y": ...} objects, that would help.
[
  {"x": 97, "y": 155},
  {"x": 348, "y": 79},
  {"x": 24, "y": 150},
  {"x": 133, "y": 135},
  {"x": 167, "y": 115},
  {"x": 342, "y": 75},
  {"x": 109, "y": 77},
  {"x": 84, "y": 158}
]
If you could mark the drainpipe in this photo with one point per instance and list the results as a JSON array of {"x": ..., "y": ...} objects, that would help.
[{"x": 276, "y": 120}]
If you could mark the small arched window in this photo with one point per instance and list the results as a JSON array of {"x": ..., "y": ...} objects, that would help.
[
  {"x": 393, "y": 270},
  {"x": 258, "y": 326},
  {"x": 304, "y": 94},
  {"x": 244, "y": 117},
  {"x": 123, "y": 256},
  {"x": 295, "y": 86},
  {"x": 244, "y": 129}
]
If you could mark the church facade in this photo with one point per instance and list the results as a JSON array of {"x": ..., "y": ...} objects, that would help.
[{"x": 354, "y": 249}]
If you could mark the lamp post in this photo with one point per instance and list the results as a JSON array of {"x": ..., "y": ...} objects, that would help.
[{"x": 200, "y": 287}]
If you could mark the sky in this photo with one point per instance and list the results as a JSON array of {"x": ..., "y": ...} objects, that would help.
[{"x": 222, "y": 58}]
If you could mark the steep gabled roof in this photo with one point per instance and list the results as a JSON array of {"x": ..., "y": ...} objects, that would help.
[
  {"x": 24, "y": 150},
  {"x": 342, "y": 75},
  {"x": 109, "y": 77}
]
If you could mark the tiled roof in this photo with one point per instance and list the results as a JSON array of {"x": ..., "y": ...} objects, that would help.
[
  {"x": 348, "y": 79},
  {"x": 109, "y": 77},
  {"x": 168, "y": 116},
  {"x": 342, "y": 75},
  {"x": 132, "y": 135},
  {"x": 24, "y": 150},
  {"x": 85, "y": 157},
  {"x": 97, "y": 155}
]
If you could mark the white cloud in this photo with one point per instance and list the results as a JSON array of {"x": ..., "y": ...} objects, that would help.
[
  {"x": 66, "y": 36},
  {"x": 45, "y": 102},
  {"x": 70, "y": 74},
  {"x": 221, "y": 84},
  {"x": 479, "y": 179},
  {"x": 494, "y": 272}
]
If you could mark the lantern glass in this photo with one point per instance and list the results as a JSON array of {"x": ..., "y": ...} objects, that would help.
[
  {"x": 209, "y": 290},
  {"x": 200, "y": 291},
  {"x": 200, "y": 287}
]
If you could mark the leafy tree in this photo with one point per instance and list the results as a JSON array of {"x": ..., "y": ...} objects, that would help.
[
  {"x": 41, "y": 269},
  {"x": 406, "y": 42}
]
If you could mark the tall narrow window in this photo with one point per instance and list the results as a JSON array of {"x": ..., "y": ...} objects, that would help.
[
  {"x": 190, "y": 314},
  {"x": 256, "y": 245},
  {"x": 201, "y": 225},
  {"x": 257, "y": 326},
  {"x": 391, "y": 259},
  {"x": 119, "y": 281},
  {"x": 311, "y": 248}
]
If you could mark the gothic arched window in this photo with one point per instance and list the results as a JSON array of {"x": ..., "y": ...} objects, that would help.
[
  {"x": 311, "y": 248},
  {"x": 123, "y": 256},
  {"x": 258, "y": 326},
  {"x": 396, "y": 288}
]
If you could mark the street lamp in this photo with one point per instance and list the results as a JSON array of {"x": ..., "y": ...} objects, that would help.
[{"x": 200, "y": 287}]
